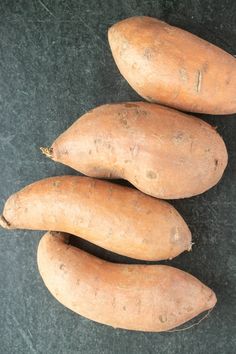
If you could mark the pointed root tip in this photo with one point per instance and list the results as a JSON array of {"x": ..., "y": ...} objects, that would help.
[
  {"x": 190, "y": 246},
  {"x": 47, "y": 151},
  {"x": 4, "y": 223}
]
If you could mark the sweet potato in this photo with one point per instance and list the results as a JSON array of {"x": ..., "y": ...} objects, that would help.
[
  {"x": 168, "y": 65},
  {"x": 120, "y": 219},
  {"x": 137, "y": 297},
  {"x": 162, "y": 152}
]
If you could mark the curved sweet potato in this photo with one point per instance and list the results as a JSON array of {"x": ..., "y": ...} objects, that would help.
[
  {"x": 137, "y": 297},
  {"x": 168, "y": 65},
  {"x": 120, "y": 219},
  {"x": 162, "y": 152}
]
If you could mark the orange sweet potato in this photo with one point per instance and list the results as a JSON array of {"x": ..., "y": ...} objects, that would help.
[
  {"x": 162, "y": 152},
  {"x": 120, "y": 219},
  {"x": 137, "y": 297},
  {"x": 168, "y": 65}
]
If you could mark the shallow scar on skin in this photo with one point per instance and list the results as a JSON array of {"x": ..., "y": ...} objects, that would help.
[{"x": 199, "y": 81}]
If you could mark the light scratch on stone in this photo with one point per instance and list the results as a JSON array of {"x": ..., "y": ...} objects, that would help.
[
  {"x": 23, "y": 334},
  {"x": 46, "y": 8}
]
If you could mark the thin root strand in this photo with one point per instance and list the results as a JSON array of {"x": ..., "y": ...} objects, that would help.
[{"x": 194, "y": 324}]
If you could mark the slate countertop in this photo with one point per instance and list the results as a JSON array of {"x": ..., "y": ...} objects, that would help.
[{"x": 55, "y": 64}]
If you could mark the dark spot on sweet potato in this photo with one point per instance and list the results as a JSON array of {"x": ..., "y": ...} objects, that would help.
[
  {"x": 62, "y": 266},
  {"x": 90, "y": 152},
  {"x": 162, "y": 318},
  {"x": 124, "y": 308},
  {"x": 124, "y": 121},
  {"x": 189, "y": 308},
  {"x": 205, "y": 67},
  {"x": 97, "y": 141},
  {"x": 130, "y": 105},
  {"x": 178, "y": 137},
  {"x": 149, "y": 53},
  {"x": 151, "y": 174},
  {"x": 216, "y": 163},
  {"x": 56, "y": 183}
]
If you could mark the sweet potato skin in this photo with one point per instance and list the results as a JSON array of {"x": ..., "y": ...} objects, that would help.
[
  {"x": 168, "y": 65},
  {"x": 120, "y": 219},
  {"x": 162, "y": 152},
  {"x": 136, "y": 297}
]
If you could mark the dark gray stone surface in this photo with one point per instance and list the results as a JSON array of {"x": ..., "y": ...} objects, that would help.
[{"x": 55, "y": 64}]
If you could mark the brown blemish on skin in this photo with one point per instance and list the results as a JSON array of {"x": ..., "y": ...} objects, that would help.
[
  {"x": 130, "y": 105},
  {"x": 149, "y": 53},
  {"x": 178, "y": 137},
  {"x": 216, "y": 163},
  {"x": 151, "y": 174},
  {"x": 127, "y": 161},
  {"x": 205, "y": 67},
  {"x": 138, "y": 303},
  {"x": 97, "y": 141},
  {"x": 90, "y": 152},
  {"x": 56, "y": 183},
  {"x": 124, "y": 122},
  {"x": 124, "y": 308},
  {"x": 163, "y": 318},
  {"x": 189, "y": 308},
  {"x": 62, "y": 266}
]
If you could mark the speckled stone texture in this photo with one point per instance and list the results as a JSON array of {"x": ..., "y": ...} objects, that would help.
[{"x": 55, "y": 64}]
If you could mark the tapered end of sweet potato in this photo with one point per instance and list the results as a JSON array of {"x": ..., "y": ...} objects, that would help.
[
  {"x": 4, "y": 223},
  {"x": 47, "y": 151},
  {"x": 212, "y": 300}
]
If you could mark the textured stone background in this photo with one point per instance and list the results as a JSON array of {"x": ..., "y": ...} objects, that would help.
[{"x": 55, "y": 64}]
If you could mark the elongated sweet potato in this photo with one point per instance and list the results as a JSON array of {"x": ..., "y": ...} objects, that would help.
[
  {"x": 120, "y": 219},
  {"x": 162, "y": 152},
  {"x": 138, "y": 297},
  {"x": 168, "y": 65}
]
